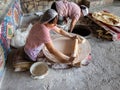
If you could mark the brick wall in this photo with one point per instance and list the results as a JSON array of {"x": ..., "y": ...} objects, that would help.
[
  {"x": 94, "y": 3},
  {"x": 29, "y": 6}
]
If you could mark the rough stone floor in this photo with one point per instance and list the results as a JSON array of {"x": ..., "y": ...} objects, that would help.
[{"x": 103, "y": 73}]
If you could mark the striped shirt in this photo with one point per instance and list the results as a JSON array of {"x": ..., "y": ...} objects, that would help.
[
  {"x": 68, "y": 9},
  {"x": 39, "y": 34}
]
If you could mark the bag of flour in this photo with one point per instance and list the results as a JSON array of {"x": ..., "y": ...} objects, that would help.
[{"x": 19, "y": 38}]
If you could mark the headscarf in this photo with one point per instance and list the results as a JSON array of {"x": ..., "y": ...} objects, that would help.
[
  {"x": 48, "y": 15},
  {"x": 85, "y": 10}
]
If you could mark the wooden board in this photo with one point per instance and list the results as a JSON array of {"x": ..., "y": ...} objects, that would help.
[{"x": 65, "y": 45}]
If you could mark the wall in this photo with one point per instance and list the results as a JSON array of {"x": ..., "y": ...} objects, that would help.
[
  {"x": 30, "y": 6},
  {"x": 8, "y": 25},
  {"x": 94, "y": 3}
]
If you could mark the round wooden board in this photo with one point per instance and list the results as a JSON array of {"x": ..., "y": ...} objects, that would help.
[{"x": 65, "y": 45}]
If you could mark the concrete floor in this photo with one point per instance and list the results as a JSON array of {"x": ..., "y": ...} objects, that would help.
[{"x": 103, "y": 73}]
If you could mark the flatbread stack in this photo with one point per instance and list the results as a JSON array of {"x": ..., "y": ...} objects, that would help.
[{"x": 107, "y": 18}]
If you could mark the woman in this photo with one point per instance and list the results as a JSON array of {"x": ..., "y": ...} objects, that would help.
[
  {"x": 70, "y": 10},
  {"x": 40, "y": 36}
]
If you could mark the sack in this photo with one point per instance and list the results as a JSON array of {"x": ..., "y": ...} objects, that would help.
[{"x": 19, "y": 38}]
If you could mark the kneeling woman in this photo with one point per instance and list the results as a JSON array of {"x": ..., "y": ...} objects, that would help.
[{"x": 40, "y": 36}]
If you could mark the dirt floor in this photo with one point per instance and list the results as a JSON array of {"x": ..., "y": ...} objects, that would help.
[{"x": 103, "y": 73}]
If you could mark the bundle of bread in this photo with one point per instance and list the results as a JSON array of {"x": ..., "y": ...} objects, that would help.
[{"x": 107, "y": 18}]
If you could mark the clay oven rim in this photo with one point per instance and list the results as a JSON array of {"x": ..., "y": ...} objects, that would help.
[{"x": 82, "y": 30}]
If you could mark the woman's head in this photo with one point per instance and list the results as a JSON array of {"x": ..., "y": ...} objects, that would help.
[
  {"x": 49, "y": 16},
  {"x": 84, "y": 10},
  {"x": 52, "y": 22}
]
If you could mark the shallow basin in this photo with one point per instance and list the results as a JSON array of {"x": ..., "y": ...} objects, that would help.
[{"x": 39, "y": 70}]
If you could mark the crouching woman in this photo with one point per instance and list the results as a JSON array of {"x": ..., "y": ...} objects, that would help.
[{"x": 40, "y": 36}]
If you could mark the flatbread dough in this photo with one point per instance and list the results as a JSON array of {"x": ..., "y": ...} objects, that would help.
[{"x": 65, "y": 45}]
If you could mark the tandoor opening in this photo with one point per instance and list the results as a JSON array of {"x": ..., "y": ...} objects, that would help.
[{"x": 81, "y": 30}]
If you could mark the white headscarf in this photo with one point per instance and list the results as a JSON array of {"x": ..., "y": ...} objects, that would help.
[
  {"x": 85, "y": 10},
  {"x": 48, "y": 15}
]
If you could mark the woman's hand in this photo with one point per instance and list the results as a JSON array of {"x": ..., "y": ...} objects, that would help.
[
  {"x": 80, "y": 40},
  {"x": 71, "y": 59},
  {"x": 65, "y": 61},
  {"x": 74, "y": 37}
]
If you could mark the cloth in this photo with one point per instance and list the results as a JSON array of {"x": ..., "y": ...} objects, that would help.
[
  {"x": 38, "y": 35},
  {"x": 68, "y": 9}
]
